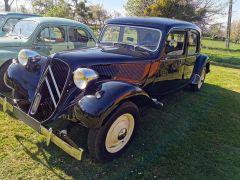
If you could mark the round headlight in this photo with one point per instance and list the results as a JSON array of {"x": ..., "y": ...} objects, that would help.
[
  {"x": 82, "y": 76},
  {"x": 25, "y": 55}
]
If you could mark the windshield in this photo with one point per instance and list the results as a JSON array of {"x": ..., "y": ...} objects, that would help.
[
  {"x": 24, "y": 28},
  {"x": 143, "y": 37},
  {"x": 2, "y": 18}
]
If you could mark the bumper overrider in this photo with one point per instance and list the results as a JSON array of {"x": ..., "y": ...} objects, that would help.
[{"x": 8, "y": 106}]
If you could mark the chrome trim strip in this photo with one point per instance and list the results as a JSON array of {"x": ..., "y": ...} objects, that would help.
[
  {"x": 50, "y": 91},
  {"x": 36, "y": 103},
  {"x": 54, "y": 81}
]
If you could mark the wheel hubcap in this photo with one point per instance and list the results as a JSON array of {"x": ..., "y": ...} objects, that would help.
[
  {"x": 202, "y": 78},
  {"x": 120, "y": 133}
]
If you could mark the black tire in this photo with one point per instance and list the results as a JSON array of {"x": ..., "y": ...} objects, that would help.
[
  {"x": 197, "y": 87},
  {"x": 3, "y": 69},
  {"x": 97, "y": 138}
]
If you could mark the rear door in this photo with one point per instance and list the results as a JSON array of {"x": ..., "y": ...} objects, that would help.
[
  {"x": 192, "y": 53},
  {"x": 79, "y": 37}
]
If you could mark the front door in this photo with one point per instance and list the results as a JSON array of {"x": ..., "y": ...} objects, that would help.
[
  {"x": 51, "y": 39},
  {"x": 192, "y": 53},
  {"x": 171, "y": 69}
]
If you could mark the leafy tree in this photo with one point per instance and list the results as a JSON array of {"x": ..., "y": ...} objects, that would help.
[
  {"x": 235, "y": 33},
  {"x": 42, "y": 6},
  {"x": 216, "y": 30},
  {"x": 196, "y": 11},
  {"x": 99, "y": 14},
  {"x": 116, "y": 14},
  {"x": 137, "y": 7},
  {"x": 60, "y": 9}
]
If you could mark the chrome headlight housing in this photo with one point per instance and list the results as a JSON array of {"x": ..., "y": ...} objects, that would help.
[
  {"x": 82, "y": 76},
  {"x": 25, "y": 55}
]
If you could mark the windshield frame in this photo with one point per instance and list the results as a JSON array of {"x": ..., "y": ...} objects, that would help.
[
  {"x": 131, "y": 26},
  {"x": 37, "y": 24},
  {"x": 3, "y": 20}
]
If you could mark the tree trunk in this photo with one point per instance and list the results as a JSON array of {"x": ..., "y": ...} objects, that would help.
[{"x": 7, "y": 6}]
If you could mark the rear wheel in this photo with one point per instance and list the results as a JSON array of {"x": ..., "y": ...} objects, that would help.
[
  {"x": 198, "y": 86},
  {"x": 3, "y": 69},
  {"x": 109, "y": 141}
]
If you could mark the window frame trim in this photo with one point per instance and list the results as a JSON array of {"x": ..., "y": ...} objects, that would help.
[
  {"x": 143, "y": 27},
  {"x": 198, "y": 42},
  {"x": 184, "y": 44}
]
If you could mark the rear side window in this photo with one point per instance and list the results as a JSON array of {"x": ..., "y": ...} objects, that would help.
[
  {"x": 80, "y": 37},
  {"x": 193, "y": 42},
  {"x": 175, "y": 43},
  {"x": 77, "y": 35}
]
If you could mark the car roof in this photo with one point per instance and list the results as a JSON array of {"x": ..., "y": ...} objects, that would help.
[
  {"x": 17, "y": 14},
  {"x": 153, "y": 22},
  {"x": 55, "y": 20}
]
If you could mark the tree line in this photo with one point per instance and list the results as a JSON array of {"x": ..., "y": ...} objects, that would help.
[{"x": 201, "y": 12}]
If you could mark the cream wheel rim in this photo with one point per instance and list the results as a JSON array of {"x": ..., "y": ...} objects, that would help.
[
  {"x": 120, "y": 133},
  {"x": 202, "y": 78}
]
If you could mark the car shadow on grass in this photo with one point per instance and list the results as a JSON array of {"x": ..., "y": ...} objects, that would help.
[{"x": 195, "y": 136}]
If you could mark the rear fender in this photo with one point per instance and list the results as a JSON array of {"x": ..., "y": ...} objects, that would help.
[{"x": 201, "y": 62}]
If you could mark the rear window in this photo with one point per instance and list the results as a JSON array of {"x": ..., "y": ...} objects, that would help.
[{"x": 192, "y": 44}]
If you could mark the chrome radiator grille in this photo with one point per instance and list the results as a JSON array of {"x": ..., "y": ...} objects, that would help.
[{"x": 50, "y": 90}]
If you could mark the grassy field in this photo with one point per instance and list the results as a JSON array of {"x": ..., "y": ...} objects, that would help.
[
  {"x": 218, "y": 52},
  {"x": 195, "y": 136}
]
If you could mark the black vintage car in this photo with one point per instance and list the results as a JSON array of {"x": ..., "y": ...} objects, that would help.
[{"x": 136, "y": 62}]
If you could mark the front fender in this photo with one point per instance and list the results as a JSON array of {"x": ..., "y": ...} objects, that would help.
[
  {"x": 92, "y": 110},
  {"x": 201, "y": 62},
  {"x": 23, "y": 81},
  {"x": 6, "y": 55}
]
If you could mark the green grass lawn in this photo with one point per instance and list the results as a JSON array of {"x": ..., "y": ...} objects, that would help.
[
  {"x": 195, "y": 136},
  {"x": 218, "y": 52}
]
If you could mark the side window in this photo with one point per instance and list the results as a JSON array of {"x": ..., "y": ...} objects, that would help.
[
  {"x": 80, "y": 37},
  {"x": 77, "y": 35},
  {"x": 9, "y": 25},
  {"x": 51, "y": 35},
  {"x": 175, "y": 43},
  {"x": 192, "y": 44},
  {"x": 130, "y": 36}
]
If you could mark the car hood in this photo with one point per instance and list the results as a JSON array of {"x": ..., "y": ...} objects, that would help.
[
  {"x": 6, "y": 42},
  {"x": 94, "y": 56}
]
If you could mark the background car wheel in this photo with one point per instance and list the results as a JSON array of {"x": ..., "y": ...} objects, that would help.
[
  {"x": 197, "y": 87},
  {"x": 109, "y": 141},
  {"x": 3, "y": 69}
]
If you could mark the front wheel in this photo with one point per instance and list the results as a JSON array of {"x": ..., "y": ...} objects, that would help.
[
  {"x": 3, "y": 69},
  {"x": 109, "y": 141}
]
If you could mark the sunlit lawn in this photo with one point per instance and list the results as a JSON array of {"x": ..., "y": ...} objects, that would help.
[
  {"x": 195, "y": 136},
  {"x": 218, "y": 52}
]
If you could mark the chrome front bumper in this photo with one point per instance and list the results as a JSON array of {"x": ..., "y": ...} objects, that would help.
[{"x": 34, "y": 124}]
